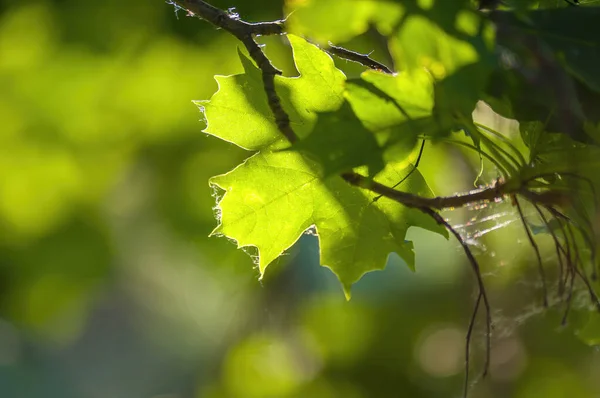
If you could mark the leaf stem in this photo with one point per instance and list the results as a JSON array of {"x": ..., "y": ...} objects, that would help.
[{"x": 468, "y": 343}]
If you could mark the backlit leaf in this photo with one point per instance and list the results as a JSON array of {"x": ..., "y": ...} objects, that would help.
[
  {"x": 273, "y": 198},
  {"x": 239, "y": 112}
]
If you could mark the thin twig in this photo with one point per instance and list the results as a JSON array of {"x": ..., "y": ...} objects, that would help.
[
  {"x": 535, "y": 247},
  {"x": 570, "y": 240},
  {"x": 581, "y": 272},
  {"x": 414, "y": 168},
  {"x": 229, "y": 21},
  {"x": 481, "y": 152},
  {"x": 506, "y": 141},
  {"x": 566, "y": 252},
  {"x": 363, "y": 59},
  {"x": 569, "y": 300},
  {"x": 591, "y": 245},
  {"x": 468, "y": 343},
  {"x": 477, "y": 271},
  {"x": 557, "y": 247},
  {"x": 440, "y": 202},
  {"x": 585, "y": 233}
]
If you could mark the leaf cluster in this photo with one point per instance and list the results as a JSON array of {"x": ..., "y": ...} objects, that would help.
[
  {"x": 338, "y": 155},
  {"x": 529, "y": 63}
]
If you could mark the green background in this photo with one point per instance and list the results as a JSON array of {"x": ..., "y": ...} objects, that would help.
[{"x": 110, "y": 286}]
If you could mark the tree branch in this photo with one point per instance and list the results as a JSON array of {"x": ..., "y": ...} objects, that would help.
[
  {"x": 482, "y": 295},
  {"x": 245, "y": 32},
  {"x": 536, "y": 248},
  {"x": 363, "y": 59},
  {"x": 440, "y": 202},
  {"x": 229, "y": 21},
  {"x": 557, "y": 246}
]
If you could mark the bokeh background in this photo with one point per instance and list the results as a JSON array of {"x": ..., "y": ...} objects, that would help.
[{"x": 110, "y": 286}]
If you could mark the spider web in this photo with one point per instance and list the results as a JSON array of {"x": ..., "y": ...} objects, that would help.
[{"x": 514, "y": 286}]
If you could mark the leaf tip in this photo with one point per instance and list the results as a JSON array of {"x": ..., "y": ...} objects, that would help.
[
  {"x": 347, "y": 291},
  {"x": 216, "y": 232}
]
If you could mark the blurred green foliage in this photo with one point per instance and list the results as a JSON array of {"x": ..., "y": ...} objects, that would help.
[{"x": 110, "y": 286}]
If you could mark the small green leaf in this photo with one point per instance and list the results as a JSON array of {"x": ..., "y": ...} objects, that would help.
[
  {"x": 239, "y": 112},
  {"x": 320, "y": 87}
]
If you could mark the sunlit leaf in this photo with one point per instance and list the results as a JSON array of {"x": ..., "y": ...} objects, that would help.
[
  {"x": 340, "y": 20},
  {"x": 396, "y": 108},
  {"x": 239, "y": 111},
  {"x": 273, "y": 198},
  {"x": 420, "y": 43}
]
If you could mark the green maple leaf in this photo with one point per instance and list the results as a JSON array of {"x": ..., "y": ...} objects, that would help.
[
  {"x": 239, "y": 112},
  {"x": 277, "y": 195},
  {"x": 273, "y": 198},
  {"x": 384, "y": 101},
  {"x": 396, "y": 108}
]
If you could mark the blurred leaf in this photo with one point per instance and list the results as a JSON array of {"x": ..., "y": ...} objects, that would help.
[
  {"x": 54, "y": 280},
  {"x": 573, "y": 34},
  {"x": 457, "y": 95},
  {"x": 535, "y": 85},
  {"x": 420, "y": 42},
  {"x": 581, "y": 160},
  {"x": 445, "y": 14},
  {"x": 340, "y": 20},
  {"x": 531, "y": 133},
  {"x": 262, "y": 366},
  {"x": 327, "y": 325},
  {"x": 590, "y": 332},
  {"x": 550, "y": 378}
]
